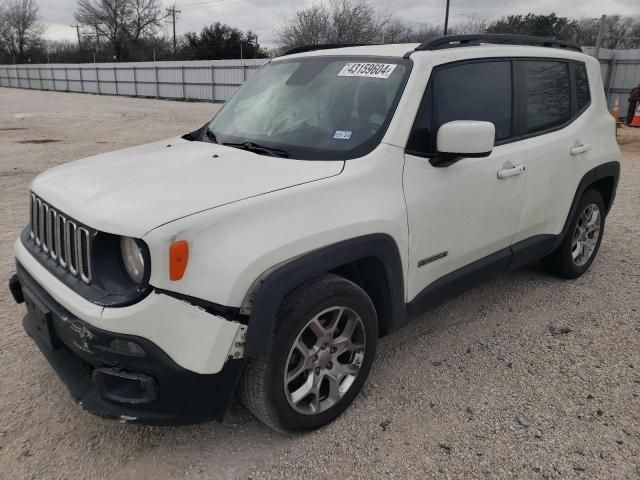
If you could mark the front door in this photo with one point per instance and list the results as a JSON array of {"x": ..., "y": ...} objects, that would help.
[{"x": 470, "y": 210}]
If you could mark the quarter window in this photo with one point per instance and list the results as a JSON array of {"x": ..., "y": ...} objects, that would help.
[
  {"x": 471, "y": 91},
  {"x": 547, "y": 94}
]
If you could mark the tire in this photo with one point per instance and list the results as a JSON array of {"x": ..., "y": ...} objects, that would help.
[
  {"x": 314, "y": 315},
  {"x": 563, "y": 261}
]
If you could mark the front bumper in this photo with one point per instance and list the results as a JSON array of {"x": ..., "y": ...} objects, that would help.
[{"x": 141, "y": 384}]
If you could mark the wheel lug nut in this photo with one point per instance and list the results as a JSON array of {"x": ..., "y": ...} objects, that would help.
[
  {"x": 318, "y": 371},
  {"x": 334, "y": 349},
  {"x": 330, "y": 365}
]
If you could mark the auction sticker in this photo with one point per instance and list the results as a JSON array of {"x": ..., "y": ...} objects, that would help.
[{"x": 368, "y": 70}]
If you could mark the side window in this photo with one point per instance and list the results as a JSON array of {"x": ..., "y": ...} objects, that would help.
[
  {"x": 471, "y": 91},
  {"x": 547, "y": 94},
  {"x": 583, "y": 97}
]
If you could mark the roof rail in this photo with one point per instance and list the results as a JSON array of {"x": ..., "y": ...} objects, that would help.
[
  {"x": 453, "y": 41},
  {"x": 324, "y": 46}
]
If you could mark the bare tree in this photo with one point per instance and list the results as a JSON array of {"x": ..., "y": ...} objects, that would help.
[
  {"x": 472, "y": 24},
  {"x": 146, "y": 18},
  {"x": 356, "y": 22},
  {"x": 394, "y": 31},
  {"x": 422, "y": 32},
  {"x": 20, "y": 30},
  {"x": 309, "y": 26},
  {"x": 336, "y": 21},
  {"x": 622, "y": 32},
  {"x": 120, "y": 21}
]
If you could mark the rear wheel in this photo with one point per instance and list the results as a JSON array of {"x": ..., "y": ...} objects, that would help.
[
  {"x": 580, "y": 246},
  {"x": 318, "y": 358}
]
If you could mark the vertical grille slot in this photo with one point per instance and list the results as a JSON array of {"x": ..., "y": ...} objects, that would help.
[
  {"x": 44, "y": 215},
  {"x": 83, "y": 255},
  {"x": 66, "y": 242},
  {"x": 51, "y": 233},
  {"x": 33, "y": 216},
  {"x": 72, "y": 258},
  {"x": 38, "y": 225},
  {"x": 60, "y": 238}
]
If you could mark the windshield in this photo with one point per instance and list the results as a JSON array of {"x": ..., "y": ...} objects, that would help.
[{"x": 314, "y": 107}]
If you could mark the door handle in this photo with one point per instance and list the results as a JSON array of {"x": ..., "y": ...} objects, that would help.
[
  {"x": 511, "y": 172},
  {"x": 578, "y": 149}
]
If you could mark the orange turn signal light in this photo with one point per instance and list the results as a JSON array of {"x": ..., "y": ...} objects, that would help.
[{"x": 178, "y": 259}]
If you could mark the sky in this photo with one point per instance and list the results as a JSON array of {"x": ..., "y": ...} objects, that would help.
[{"x": 265, "y": 16}]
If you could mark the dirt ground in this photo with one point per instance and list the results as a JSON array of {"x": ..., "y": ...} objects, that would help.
[{"x": 485, "y": 386}]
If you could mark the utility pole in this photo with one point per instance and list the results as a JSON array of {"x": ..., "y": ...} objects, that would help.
[
  {"x": 603, "y": 20},
  {"x": 446, "y": 19},
  {"x": 77, "y": 27},
  {"x": 172, "y": 12},
  {"x": 97, "y": 39}
]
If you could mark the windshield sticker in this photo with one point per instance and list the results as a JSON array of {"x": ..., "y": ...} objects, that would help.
[
  {"x": 368, "y": 70},
  {"x": 343, "y": 135}
]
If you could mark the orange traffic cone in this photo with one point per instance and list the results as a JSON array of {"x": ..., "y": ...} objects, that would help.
[
  {"x": 616, "y": 110},
  {"x": 635, "y": 122}
]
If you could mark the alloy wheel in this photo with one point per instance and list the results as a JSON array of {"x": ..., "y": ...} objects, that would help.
[
  {"x": 586, "y": 235},
  {"x": 324, "y": 360}
]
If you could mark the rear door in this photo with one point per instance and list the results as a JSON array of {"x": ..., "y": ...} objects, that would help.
[
  {"x": 558, "y": 136},
  {"x": 462, "y": 213}
]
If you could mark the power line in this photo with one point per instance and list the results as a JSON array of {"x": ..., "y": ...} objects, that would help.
[{"x": 211, "y": 3}]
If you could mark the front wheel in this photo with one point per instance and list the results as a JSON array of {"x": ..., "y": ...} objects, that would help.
[
  {"x": 318, "y": 359},
  {"x": 580, "y": 246}
]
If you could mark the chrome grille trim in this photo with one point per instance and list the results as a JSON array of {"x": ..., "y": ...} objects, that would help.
[
  {"x": 44, "y": 213},
  {"x": 61, "y": 238},
  {"x": 51, "y": 233},
  {"x": 61, "y": 225},
  {"x": 71, "y": 244},
  {"x": 37, "y": 228},
  {"x": 32, "y": 216}
]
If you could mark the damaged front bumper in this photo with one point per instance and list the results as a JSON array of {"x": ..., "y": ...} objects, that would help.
[{"x": 120, "y": 376}]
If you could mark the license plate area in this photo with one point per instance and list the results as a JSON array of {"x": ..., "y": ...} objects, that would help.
[{"x": 41, "y": 319}]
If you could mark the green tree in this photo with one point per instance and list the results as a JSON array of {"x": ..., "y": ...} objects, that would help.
[
  {"x": 539, "y": 25},
  {"x": 221, "y": 41}
]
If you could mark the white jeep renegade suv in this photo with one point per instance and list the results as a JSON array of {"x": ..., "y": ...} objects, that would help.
[{"x": 338, "y": 194}]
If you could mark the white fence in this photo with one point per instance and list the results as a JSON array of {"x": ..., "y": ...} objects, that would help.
[
  {"x": 216, "y": 80},
  {"x": 210, "y": 80}
]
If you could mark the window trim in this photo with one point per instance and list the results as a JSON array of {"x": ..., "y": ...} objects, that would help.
[
  {"x": 518, "y": 104},
  {"x": 520, "y": 89},
  {"x": 444, "y": 66}
]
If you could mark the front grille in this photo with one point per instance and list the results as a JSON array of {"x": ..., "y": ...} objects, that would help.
[{"x": 62, "y": 238}]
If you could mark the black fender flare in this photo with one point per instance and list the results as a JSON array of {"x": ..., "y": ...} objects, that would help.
[
  {"x": 606, "y": 170},
  {"x": 539, "y": 246},
  {"x": 277, "y": 284}
]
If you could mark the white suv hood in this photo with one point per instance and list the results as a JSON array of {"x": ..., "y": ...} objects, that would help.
[{"x": 132, "y": 191}]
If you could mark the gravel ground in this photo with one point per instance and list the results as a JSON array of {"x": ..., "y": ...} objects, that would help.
[{"x": 528, "y": 376}]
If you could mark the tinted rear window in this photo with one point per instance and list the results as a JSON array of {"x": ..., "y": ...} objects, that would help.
[{"x": 548, "y": 94}]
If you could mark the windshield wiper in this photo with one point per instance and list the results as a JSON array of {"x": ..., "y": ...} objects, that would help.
[{"x": 255, "y": 148}]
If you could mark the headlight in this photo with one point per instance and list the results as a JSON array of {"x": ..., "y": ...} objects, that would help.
[{"x": 133, "y": 258}]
